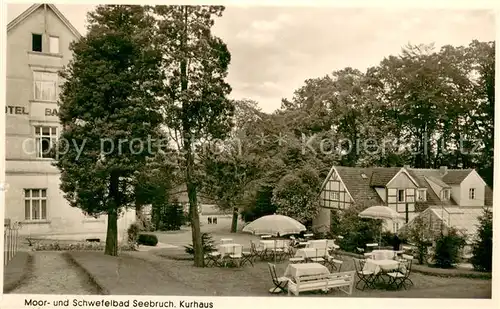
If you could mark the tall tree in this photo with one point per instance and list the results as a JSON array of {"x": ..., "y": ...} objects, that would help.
[
  {"x": 483, "y": 116},
  {"x": 108, "y": 112},
  {"x": 195, "y": 93}
]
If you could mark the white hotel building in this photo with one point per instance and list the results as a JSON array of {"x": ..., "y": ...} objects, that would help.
[{"x": 37, "y": 47}]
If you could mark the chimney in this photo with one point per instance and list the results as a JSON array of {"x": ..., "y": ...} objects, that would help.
[
  {"x": 406, "y": 167},
  {"x": 443, "y": 170}
]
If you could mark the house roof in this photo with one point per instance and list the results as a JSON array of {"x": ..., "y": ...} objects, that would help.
[
  {"x": 363, "y": 192},
  {"x": 359, "y": 187},
  {"x": 455, "y": 177},
  {"x": 465, "y": 219},
  {"x": 381, "y": 176},
  {"x": 19, "y": 19},
  {"x": 438, "y": 181},
  {"x": 461, "y": 218}
]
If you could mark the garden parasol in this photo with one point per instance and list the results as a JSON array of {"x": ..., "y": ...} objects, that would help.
[
  {"x": 274, "y": 225},
  {"x": 380, "y": 212}
]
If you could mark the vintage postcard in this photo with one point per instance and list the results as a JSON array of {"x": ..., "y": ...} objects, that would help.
[{"x": 228, "y": 154}]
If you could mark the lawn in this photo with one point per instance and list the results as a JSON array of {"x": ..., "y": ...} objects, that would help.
[
  {"x": 167, "y": 271},
  {"x": 16, "y": 271},
  {"x": 150, "y": 273}
]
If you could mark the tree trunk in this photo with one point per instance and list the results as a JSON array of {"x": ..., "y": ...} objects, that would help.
[
  {"x": 193, "y": 210},
  {"x": 188, "y": 152},
  {"x": 234, "y": 223},
  {"x": 112, "y": 234},
  {"x": 112, "y": 231}
]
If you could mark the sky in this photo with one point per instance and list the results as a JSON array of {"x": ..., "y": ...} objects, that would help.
[{"x": 275, "y": 49}]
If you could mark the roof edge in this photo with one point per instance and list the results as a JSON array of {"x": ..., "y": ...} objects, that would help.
[
  {"x": 333, "y": 169},
  {"x": 21, "y": 17},
  {"x": 473, "y": 170}
]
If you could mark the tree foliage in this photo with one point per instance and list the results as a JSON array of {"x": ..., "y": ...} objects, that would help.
[
  {"x": 107, "y": 98},
  {"x": 482, "y": 249},
  {"x": 420, "y": 236},
  {"x": 448, "y": 249},
  {"x": 356, "y": 231},
  {"x": 296, "y": 195}
]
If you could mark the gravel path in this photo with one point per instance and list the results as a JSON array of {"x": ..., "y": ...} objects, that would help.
[{"x": 54, "y": 274}]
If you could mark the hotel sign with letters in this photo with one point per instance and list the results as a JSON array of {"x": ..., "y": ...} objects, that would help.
[
  {"x": 51, "y": 112},
  {"x": 16, "y": 110},
  {"x": 44, "y": 112}
]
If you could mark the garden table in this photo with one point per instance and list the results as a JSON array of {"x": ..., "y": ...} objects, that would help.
[
  {"x": 317, "y": 243},
  {"x": 306, "y": 269},
  {"x": 267, "y": 244},
  {"x": 382, "y": 254},
  {"x": 308, "y": 253},
  {"x": 226, "y": 249},
  {"x": 272, "y": 244},
  {"x": 377, "y": 266}
]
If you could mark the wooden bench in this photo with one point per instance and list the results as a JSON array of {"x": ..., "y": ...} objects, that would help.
[{"x": 344, "y": 281}]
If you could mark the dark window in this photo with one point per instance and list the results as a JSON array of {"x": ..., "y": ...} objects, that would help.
[
  {"x": 401, "y": 195},
  {"x": 36, "y": 42}
]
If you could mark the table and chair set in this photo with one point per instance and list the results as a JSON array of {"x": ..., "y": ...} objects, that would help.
[
  {"x": 315, "y": 266},
  {"x": 383, "y": 268},
  {"x": 322, "y": 251},
  {"x": 229, "y": 254}
]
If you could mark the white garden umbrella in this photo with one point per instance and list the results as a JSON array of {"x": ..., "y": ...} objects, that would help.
[
  {"x": 274, "y": 225},
  {"x": 380, "y": 212}
]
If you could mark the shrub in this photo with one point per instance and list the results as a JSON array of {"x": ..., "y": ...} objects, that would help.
[
  {"x": 482, "y": 249},
  {"x": 357, "y": 232},
  {"x": 417, "y": 235},
  {"x": 448, "y": 247},
  {"x": 387, "y": 239},
  {"x": 207, "y": 243},
  {"x": 147, "y": 239},
  {"x": 133, "y": 232}
]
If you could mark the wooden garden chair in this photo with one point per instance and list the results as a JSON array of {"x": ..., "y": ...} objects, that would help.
[
  {"x": 257, "y": 251},
  {"x": 334, "y": 264},
  {"x": 213, "y": 259},
  {"x": 248, "y": 256},
  {"x": 237, "y": 255},
  {"x": 367, "y": 277},
  {"x": 280, "y": 283},
  {"x": 318, "y": 258},
  {"x": 400, "y": 277}
]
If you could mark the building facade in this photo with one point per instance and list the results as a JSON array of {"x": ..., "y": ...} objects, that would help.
[
  {"x": 38, "y": 43},
  {"x": 406, "y": 190}
]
